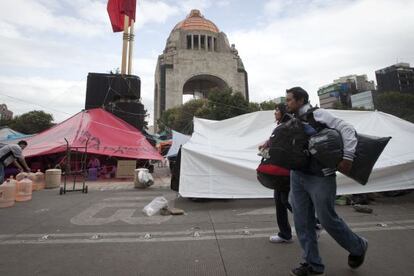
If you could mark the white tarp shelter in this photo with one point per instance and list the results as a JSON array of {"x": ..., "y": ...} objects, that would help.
[
  {"x": 220, "y": 159},
  {"x": 178, "y": 139}
]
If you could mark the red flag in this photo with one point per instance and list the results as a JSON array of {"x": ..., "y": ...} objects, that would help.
[
  {"x": 128, "y": 8},
  {"x": 117, "y": 9}
]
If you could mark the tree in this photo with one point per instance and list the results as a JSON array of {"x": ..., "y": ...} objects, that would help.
[
  {"x": 5, "y": 122},
  {"x": 32, "y": 122},
  {"x": 253, "y": 107},
  {"x": 267, "y": 105},
  {"x": 340, "y": 106},
  {"x": 396, "y": 103},
  {"x": 167, "y": 119},
  {"x": 219, "y": 105},
  {"x": 181, "y": 118},
  {"x": 226, "y": 104}
]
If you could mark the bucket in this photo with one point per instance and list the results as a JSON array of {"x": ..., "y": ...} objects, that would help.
[
  {"x": 24, "y": 190},
  {"x": 53, "y": 178},
  {"x": 7, "y": 193}
]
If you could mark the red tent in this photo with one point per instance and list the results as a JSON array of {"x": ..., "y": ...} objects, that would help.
[{"x": 107, "y": 134}]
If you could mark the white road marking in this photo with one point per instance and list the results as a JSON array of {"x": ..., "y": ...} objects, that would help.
[{"x": 176, "y": 236}]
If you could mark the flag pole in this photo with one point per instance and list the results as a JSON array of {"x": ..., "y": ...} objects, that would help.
[
  {"x": 131, "y": 46},
  {"x": 125, "y": 45}
]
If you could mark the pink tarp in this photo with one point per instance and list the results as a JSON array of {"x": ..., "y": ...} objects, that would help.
[{"x": 107, "y": 134}]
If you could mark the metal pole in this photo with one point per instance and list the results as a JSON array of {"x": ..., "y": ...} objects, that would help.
[
  {"x": 125, "y": 45},
  {"x": 131, "y": 44}
]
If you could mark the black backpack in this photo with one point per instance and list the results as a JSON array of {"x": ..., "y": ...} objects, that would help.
[{"x": 288, "y": 145}]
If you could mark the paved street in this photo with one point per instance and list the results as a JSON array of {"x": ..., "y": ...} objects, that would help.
[{"x": 104, "y": 232}]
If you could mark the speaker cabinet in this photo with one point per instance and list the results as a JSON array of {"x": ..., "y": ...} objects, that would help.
[
  {"x": 131, "y": 111},
  {"x": 102, "y": 89}
]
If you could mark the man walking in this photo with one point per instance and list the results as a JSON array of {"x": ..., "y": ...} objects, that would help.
[
  {"x": 314, "y": 189},
  {"x": 13, "y": 154}
]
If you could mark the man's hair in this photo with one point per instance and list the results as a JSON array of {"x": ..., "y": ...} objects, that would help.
[
  {"x": 22, "y": 143},
  {"x": 299, "y": 93}
]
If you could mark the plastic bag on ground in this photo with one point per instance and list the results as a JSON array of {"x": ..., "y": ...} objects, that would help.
[{"x": 155, "y": 206}]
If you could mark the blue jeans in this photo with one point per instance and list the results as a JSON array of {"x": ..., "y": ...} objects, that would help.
[
  {"x": 310, "y": 193},
  {"x": 1, "y": 173}
]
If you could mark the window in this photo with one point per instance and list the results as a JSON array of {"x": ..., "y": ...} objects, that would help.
[
  {"x": 188, "y": 41},
  {"x": 209, "y": 43},
  {"x": 215, "y": 45},
  {"x": 203, "y": 42},
  {"x": 195, "y": 42}
]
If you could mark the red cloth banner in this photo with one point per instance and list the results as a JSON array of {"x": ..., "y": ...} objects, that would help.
[{"x": 117, "y": 9}]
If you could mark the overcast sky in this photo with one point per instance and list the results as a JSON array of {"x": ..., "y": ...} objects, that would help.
[{"x": 47, "y": 47}]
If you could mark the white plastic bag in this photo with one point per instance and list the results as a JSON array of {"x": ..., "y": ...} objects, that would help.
[
  {"x": 155, "y": 206},
  {"x": 145, "y": 179}
]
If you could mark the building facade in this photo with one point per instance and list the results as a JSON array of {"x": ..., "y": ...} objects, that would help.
[
  {"x": 360, "y": 82},
  {"x": 398, "y": 77},
  {"x": 335, "y": 93},
  {"x": 341, "y": 90},
  {"x": 5, "y": 114},
  {"x": 364, "y": 100},
  {"x": 197, "y": 59},
  {"x": 279, "y": 100}
]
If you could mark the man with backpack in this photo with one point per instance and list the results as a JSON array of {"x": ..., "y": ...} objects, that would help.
[{"x": 314, "y": 189}]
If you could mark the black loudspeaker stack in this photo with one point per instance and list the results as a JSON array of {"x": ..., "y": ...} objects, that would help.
[
  {"x": 118, "y": 94},
  {"x": 131, "y": 111}
]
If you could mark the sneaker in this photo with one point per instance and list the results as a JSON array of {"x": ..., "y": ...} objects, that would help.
[
  {"x": 304, "y": 270},
  {"x": 357, "y": 261},
  {"x": 278, "y": 239},
  {"x": 318, "y": 230}
]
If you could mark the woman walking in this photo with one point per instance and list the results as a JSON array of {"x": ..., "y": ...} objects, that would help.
[{"x": 278, "y": 178}]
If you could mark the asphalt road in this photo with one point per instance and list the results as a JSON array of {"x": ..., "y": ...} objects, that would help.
[{"x": 105, "y": 232}]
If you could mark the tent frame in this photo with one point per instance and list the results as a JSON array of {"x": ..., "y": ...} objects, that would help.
[{"x": 72, "y": 153}]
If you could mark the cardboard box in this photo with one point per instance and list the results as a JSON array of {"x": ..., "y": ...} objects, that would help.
[{"x": 126, "y": 168}]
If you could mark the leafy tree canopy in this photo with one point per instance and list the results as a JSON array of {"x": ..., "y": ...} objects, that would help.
[
  {"x": 219, "y": 105},
  {"x": 31, "y": 122},
  {"x": 397, "y": 104}
]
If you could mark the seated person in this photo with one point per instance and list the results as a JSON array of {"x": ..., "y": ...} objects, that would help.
[{"x": 94, "y": 163}]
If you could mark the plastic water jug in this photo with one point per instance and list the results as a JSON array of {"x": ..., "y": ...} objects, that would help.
[
  {"x": 24, "y": 190},
  {"x": 40, "y": 180},
  {"x": 21, "y": 175},
  {"x": 12, "y": 180},
  {"x": 7, "y": 193},
  {"x": 32, "y": 177}
]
